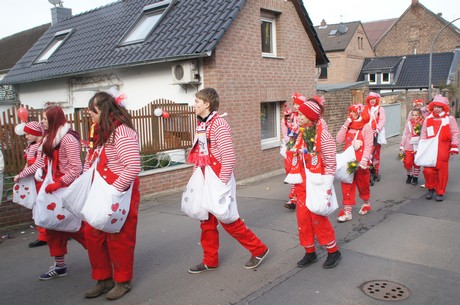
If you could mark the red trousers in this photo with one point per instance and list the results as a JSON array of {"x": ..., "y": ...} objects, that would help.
[
  {"x": 112, "y": 254},
  {"x": 41, "y": 233},
  {"x": 57, "y": 240},
  {"x": 238, "y": 230},
  {"x": 409, "y": 160},
  {"x": 360, "y": 181},
  {"x": 376, "y": 158},
  {"x": 437, "y": 177},
  {"x": 311, "y": 225}
]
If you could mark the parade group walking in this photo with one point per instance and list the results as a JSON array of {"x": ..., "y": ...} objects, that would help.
[{"x": 96, "y": 202}]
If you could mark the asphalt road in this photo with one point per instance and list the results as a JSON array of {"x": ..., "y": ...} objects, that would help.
[{"x": 406, "y": 240}]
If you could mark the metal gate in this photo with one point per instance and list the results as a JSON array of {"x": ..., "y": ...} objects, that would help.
[{"x": 393, "y": 119}]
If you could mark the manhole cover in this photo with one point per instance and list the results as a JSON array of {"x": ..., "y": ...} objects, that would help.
[{"x": 385, "y": 290}]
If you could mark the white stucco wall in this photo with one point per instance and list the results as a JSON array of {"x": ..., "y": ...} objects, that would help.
[{"x": 141, "y": 84}]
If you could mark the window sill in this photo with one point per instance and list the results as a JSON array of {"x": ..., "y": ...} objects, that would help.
[
  {"x": 270, "y": 144},
  {"x": 272, "y": 57}
]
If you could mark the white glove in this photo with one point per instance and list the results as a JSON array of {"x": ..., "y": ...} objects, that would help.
[
  {"x": 357, "y": 144},
  {"x": 401, "y": 149},
  {"x": 39, "y": 174},
  {"x": 363, "y": 163}
]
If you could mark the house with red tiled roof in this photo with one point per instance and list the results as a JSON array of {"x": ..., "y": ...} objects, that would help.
[{"x": 376, "y": 29}]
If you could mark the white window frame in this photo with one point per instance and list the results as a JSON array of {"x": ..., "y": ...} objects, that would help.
[
  {"x": 145, "y": 23},
  {"x": 58, "y": 40},
  {"x": 275, "y": 140},
  {"x": 381, "y": 78},
  {"x": 272, "y": 21},
  {"x": 369, "y": 78}
]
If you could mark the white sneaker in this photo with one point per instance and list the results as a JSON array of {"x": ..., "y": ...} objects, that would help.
[{"x": 344, "y": 216}]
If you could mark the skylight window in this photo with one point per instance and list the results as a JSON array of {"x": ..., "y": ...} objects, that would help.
[
  {"x": 53, "y": 46},
  {"x": 144, "y": 25}
]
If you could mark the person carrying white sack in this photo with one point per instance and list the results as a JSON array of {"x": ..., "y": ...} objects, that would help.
[
  {"x": 443, "y": 128},
  {"x": 314, "y": 156},
  {"x": 114, "y": 142},
  {"x": 213, "y": 149},
  {"x": 357, "y": 131}
]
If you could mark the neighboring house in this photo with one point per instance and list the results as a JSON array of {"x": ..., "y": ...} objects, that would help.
[
  {"x": 12, "y": 48},
  {"x": 346, "y": 46},
  {"x": 152, "y": 49},
  {"x": 410, "y": 72},
  {"x": 376, "y": 29},
  {"x": 414, "y": 33}
]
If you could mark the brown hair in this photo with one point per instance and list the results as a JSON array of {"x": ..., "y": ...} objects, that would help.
[
  {"x": 417, "y": 110},
  {"x": 112, "y": 115},
  {"x": 209, "y": 95}
]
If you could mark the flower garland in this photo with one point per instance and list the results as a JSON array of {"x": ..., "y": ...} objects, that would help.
[
  {"x": 417, "y": 129},
  {"x": 308, "y": 136}
]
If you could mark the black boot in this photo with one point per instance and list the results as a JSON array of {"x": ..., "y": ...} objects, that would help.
[
  {"x": 332, "y": 260},
  {"x": 429, "y": 194},
  {"x": 409, "y": 179},
  {"x": 414, "y": 180},
  {"x": 308, "y": 259}
]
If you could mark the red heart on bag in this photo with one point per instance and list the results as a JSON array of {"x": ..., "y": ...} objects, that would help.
[
  {"x": 113, "y": 221},
  {"x": 22, "y": 196},
  {"x": 16, "y": 187},
  {"x": 115, "y": 207},
  {"x": 26, "y": 188},
  {"x": 123, "y": 212},
  {"x": 60, "y": 216},
  {"x": 51, "y": 206}
]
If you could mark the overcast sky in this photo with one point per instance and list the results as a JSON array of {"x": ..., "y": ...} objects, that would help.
[{"x": 20, "y": 15}]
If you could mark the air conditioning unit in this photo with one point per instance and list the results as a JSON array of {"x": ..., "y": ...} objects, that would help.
[{"x": 185, "y": 72}]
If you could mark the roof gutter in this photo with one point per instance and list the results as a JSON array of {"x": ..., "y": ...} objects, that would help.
[{"x": 128, "y": 65}]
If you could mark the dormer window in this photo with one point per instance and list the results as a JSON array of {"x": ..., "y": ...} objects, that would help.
[
  {"x": 372, "y": 78},
  {"x": 53, "y": 46},
  {"x": 145, "y": 23}
]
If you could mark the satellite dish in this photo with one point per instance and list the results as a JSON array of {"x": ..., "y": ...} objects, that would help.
[{"x": 56, "y": 2}]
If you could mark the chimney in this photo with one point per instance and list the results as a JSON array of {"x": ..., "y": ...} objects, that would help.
[
  {"x": 323, "y": 24},
  {"x": 414, "y": 2},
  {"x": 59, "y": 13}
]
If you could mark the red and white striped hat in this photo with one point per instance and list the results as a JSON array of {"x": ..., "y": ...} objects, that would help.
[{"x": 34, "y": 128}]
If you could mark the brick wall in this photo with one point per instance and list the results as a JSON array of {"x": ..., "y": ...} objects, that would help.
[
  {"x": 12, "y": 214},
  {"x": 416, "y": 30}
]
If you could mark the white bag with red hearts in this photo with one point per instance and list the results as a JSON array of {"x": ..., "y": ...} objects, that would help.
[
  {"x": 25, "y": 192},
  {"x": 106, "y": 208},
  {"x": 49, "y": 212}
]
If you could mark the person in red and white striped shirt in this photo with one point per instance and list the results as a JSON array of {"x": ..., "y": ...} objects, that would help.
[
  {"x": 214, "y": 148},
  {"x": 315, "y": 148},
  {"x": 33, "y": 132},
  {"x": 115, "y": 142},
  {"x": 61, "y": 145}
]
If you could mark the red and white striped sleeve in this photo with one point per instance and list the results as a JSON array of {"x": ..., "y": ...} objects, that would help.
[
  {"x": 125, "y": 157},
  {"x": 32, "y": 153},
  {"x": 328, "y": 153},
  {"x": 220, "y": 135},
  {"x": 368, "y": 141},
  {"x": 69, "y": 159}
]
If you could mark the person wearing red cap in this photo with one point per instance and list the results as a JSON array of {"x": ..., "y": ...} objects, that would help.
[
  {"x": 34, "y": 134},
  {"x": 289, "y": 127},
  {"x": 377, "y": 119},
  {"x": 357, "y": 131},
  {"x": 315, "y": 151},
  {"x": 439, "y": 124}
]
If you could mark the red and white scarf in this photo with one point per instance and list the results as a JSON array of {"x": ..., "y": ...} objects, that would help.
[{"x": 199, "y": 155}]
